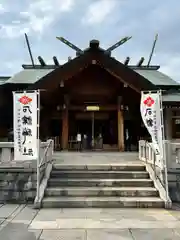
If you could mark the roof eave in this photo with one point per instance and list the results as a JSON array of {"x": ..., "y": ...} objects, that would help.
[
  {"x": 152, "y": 67},
  {"x": 38, "y": 66},
  {"x": 169, "y": 87}
]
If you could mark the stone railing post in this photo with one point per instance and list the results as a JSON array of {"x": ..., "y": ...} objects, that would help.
[{"x": 6, "y": 151}]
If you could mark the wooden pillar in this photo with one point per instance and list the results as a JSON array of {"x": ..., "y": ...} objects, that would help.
[
  {"x": 120, "y": 126},
  {"x": 65, "y": 124}
]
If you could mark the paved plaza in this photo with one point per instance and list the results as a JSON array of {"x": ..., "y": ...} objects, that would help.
[{"x": 20, "y": 222}]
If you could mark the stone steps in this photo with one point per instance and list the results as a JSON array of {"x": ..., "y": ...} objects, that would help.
[
  {"x": 93, "y": 182},
  {"x": 102, "y": 202},
  {"x": 99, "y": 174},
  {"x": 102, "y": 191},
  {"x": 99, "y": 167},
  {"x": 101, "y": 185}
]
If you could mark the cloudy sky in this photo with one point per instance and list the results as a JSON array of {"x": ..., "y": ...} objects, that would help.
[{"x": 82, "y": 20}]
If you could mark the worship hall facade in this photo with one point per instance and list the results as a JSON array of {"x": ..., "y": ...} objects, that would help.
[{"x": 93, "y": 95}]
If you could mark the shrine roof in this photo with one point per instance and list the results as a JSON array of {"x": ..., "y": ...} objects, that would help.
[
  {"x": 171, "y": 97},
  {"x": 3, "y": 79},
  {"x": 142, "y": 76},
  {"x": 31, "y": 76},
  {"x": 28, "y": 76},
  {"x": 157, "y": 78}
]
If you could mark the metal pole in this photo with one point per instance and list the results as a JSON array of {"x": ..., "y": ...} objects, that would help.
[
  {"x": 152, "y": 51},
  {"x": 38, "y": 143},
  {"x": 164, "y": 148},
  {"x": 29, "y": 49}
]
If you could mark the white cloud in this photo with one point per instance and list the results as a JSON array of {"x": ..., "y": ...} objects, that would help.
[
  {"x": 12, "y": 31},
  {"x": 98, "y": 11},
  {"x": 43, "y": 13},
  {"x": 50, "y": 7},
  {"x": 39, "y": 15},
  {"x": 2, "y": 9}
]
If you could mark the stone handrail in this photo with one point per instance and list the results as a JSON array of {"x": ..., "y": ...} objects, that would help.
[
  {"x": 157, "y": 169},
  {"x": 7, "y": 152},
  {"x": 173, "y": 166},
  {"x": 147, "y": 154},
  {"x": 44, "y": 167}
]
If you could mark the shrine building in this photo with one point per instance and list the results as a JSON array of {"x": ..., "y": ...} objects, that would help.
[{"x": 94, "y": 95}]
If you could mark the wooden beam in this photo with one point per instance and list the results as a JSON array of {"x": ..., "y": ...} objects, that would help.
[
  {"x": 109, "y": 107},
  {"x": 121, "y": 79}
]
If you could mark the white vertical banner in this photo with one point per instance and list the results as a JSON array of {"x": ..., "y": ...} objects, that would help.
[
  {"x": 151, "y": 112},
  {"x": 25, "y": 117}
]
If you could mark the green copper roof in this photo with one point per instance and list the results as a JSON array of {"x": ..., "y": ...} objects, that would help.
[
  {"x": 3, "y": 79},
  {"x": 157, "y": 78},
  {"x": 28, "y": 76},
  {"x": 171, "y": 97}
]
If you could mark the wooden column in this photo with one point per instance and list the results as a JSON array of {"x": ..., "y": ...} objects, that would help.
[
  {"x": 65, "y": 124},
  {"x": 120, "y": 126}
]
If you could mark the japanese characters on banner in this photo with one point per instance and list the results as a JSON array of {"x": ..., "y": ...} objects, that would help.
[
  {"x": 25, "y": 126},
  {"x": 151, "y": 116}
]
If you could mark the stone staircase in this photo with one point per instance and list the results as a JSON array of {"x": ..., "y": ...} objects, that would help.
[{"x": 101, "y": 185}]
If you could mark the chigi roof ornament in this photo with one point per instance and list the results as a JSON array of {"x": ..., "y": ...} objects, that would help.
[
  {"x": 71, "y": 45},
  {"x": 94, "y": 44},
  {"x": 116, "y": 45}
]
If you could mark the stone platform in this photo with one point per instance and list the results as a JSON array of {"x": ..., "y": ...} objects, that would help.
[{"x": 97, "y": 157}]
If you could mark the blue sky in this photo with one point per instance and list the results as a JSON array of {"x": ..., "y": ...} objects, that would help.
[{"x": 82, "y": 20}]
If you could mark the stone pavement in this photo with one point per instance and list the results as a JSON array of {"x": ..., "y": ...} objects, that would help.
[
  {"x": 91, "y": 158},
  {"x": 20, "y": 222}
]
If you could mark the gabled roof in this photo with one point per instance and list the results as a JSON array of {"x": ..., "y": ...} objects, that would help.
[{"x": 116, "y": 68}]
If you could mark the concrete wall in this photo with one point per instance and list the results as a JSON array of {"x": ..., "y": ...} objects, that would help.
[
  {"x": 17, "y": 178},
  {"x": 18, "y": 184}
]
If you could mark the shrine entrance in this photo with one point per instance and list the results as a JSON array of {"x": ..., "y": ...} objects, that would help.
[
  {"x": 96, "y": 105},
  {"x": 98, "y": 130}
]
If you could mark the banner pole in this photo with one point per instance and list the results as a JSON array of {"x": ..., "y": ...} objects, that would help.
[
  {"x": 38, "y": 143},
  {"x": 156, "y": 129},
  {"x": 164, "y": 147}
]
